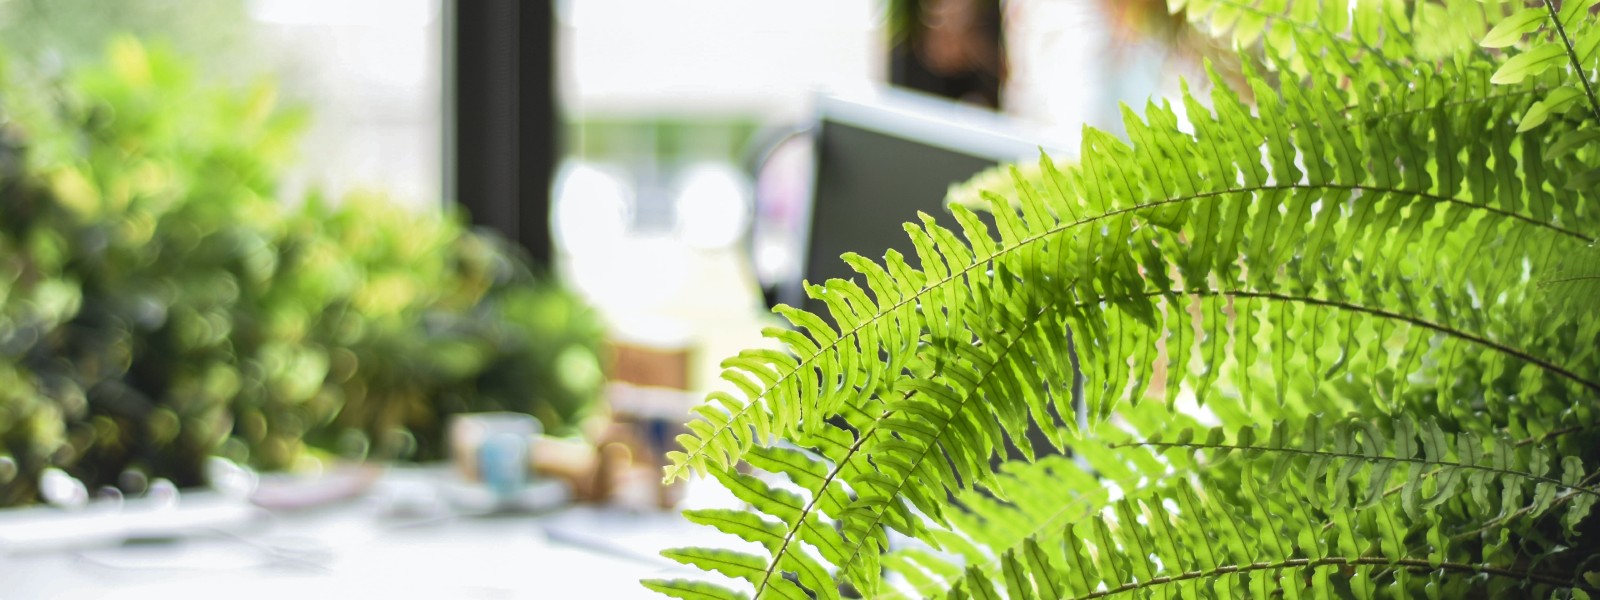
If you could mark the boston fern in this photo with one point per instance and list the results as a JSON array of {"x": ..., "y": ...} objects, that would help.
[{"x": 1330, "y": 333}]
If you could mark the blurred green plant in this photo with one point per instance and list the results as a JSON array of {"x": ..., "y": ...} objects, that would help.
[{"x": 159, "y": 305}]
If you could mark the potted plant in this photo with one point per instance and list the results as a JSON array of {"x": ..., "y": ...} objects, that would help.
[{"x": 1335, "y": 340}]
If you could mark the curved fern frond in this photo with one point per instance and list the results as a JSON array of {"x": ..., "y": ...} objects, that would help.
[
  {"x": 1355, "y": 469},
  {"x": 1046, "y": 496},
  {"x": 1175, "y": 542},
  {"x": 1365, "y": 40},
  {"x": 1410, "y": 453},
  {"x": 1576, "y": 284}
]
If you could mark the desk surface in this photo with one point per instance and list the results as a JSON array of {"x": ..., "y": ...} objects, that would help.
[{"x": 355, "y": 550}]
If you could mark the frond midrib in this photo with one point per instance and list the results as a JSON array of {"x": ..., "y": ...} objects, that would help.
[
  {"x": 1557, "y": 502},
  {"x": 1484, "y": 99}
]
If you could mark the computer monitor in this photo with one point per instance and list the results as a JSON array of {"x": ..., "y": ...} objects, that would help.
[{"x": 880, "y": 160}]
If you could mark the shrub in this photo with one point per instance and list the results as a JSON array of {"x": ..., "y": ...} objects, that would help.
[{"x": 160, "y": 304}]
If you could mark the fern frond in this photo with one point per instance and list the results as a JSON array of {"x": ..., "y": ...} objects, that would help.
[
  {"x": 1364, "y": 40},
  {"x": 1333, "y": 458},
  {"x": 1178, "y": 542},
  {"x": 1576, "y": 284},
  {"x": 1278, "y": 468}
]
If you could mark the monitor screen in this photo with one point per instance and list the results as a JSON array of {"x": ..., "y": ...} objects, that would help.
[{"x": 880, "y": 161}]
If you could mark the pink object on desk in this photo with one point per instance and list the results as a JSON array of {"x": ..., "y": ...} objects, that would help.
[{"x": 293, "y": 492}]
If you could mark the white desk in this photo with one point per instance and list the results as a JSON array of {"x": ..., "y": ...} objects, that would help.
[{"x": 351, "y": 550}]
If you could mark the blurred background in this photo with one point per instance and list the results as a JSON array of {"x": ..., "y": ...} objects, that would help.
[{"x": 302, "y": 292}]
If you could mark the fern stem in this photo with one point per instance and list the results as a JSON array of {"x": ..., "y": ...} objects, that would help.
[
  {"x": 1560, "y": 280},
  {"x": 1577, "y": 65},
  {"x": 1524, "y": 510},
  {"x": 1451, "y": 104},
  {"x": 1420, "y": 194},
  {"x": 1554, "y": 433},
  {"x": 1338, "y": 561},
  {"x": 1520, "y": 443},
  {"x": 1580, "y": 236},
  {"x": 1352, "y": 455}
]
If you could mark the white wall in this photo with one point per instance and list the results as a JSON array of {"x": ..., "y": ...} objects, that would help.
[{"x": 371, "y": 72}]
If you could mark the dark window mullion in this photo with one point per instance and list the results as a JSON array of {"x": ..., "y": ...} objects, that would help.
[{"x": 501, "y": 123}]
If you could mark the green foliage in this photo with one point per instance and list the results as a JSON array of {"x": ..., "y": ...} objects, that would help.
[
  {"x": 1378, "y": 255},
  {"x": 159, "y": 304}
]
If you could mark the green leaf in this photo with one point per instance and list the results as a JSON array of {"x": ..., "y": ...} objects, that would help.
[
  {"x": 692, "y": 590},
  {"x": 1533, "y": 62},
  {"x": 1570, "y": 9},
  {"x": 1586, "y": 180},
  {"x": 1511, "y": 29},
  {"x": 733, "y": 564},
  {"x": 1571, "y": 141},
  {"x": 1556, "y": 102}
]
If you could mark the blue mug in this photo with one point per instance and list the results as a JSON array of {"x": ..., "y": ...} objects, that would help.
[
  {"x": 503, "y": 463},
  {"x": 494, "y": 449}
]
